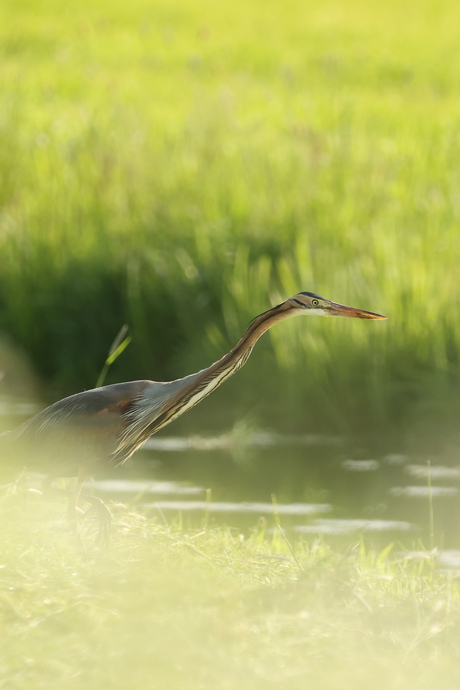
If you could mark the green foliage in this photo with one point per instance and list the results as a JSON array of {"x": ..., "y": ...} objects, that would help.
[
  {"x": 120, "y": 344},
  {"x": 180, "y": 168},
  {"x": 166, "y": 608}
]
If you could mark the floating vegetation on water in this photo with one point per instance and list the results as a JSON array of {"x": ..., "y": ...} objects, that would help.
[
  {"x": 336, "y": 526},
  {"x": 435, "y": 471},
  {"x": 423, "y": 491},
  {"x": 360, "y": 465}
]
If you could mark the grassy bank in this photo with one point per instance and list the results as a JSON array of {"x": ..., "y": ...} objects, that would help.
[
  {"x": 182, "y": 167},
  {"x": 165, "y": 608}
]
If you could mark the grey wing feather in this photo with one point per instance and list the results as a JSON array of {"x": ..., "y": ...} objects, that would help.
[{"x": 81, "y": 429}]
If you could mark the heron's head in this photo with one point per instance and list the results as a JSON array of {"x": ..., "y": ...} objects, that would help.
[{"x": 311, "y": 303}]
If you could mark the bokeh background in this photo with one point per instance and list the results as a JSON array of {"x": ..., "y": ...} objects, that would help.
[{"x": 182, "y": 166}]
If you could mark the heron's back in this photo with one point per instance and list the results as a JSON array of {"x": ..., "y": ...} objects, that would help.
[{"x": 79, "y": 431}]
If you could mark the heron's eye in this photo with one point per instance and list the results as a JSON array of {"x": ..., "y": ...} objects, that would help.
[{"x": 314, "y": 302}]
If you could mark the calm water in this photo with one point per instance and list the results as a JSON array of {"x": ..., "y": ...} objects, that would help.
[{"x": 321, "y": 486}]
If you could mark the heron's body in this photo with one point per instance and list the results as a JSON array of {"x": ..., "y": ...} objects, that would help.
[{"x": 106, "y": 425}]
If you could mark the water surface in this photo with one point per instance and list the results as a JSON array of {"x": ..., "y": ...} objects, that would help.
[{"x": 311, "y": 485}]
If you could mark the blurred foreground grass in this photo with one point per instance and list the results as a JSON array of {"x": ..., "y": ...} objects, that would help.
[
  {"x": 181, "y": 167},
  {"x": 166, "y": 608}
]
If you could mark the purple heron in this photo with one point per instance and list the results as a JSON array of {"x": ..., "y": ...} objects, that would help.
[{"x": 106, "y": 425}]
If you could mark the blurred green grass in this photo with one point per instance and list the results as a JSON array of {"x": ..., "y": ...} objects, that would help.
[
  {"x": 166, "y": 608},
  {"x": 181, "y": 167}
]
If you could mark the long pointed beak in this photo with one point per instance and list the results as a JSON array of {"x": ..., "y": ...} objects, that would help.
[{"x": 336, "y": 309}]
